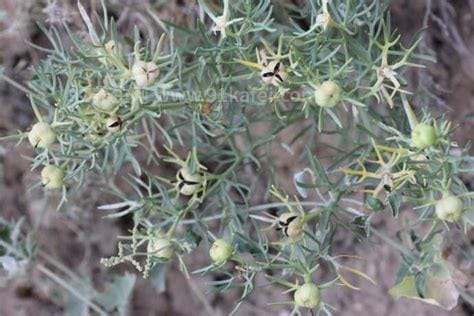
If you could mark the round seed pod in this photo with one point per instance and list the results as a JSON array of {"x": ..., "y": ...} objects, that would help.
[
  {"x": 188, "y": 183},
  {"x": 328, "y": 94},
  {"x": 423, "y": 136},
  {"x": 221, "y": 251},
  {"x": 291, "y": 224},
  {"x": 160, "y": 247},
  {"x": 42, "y": 135},
  {"x": 104, "y": 100},
  {"x": 144, "y": 73},
  {"x": 52, "y": 177},
  {"x": 308, "y": 295},
  {"x": 449, "y": 208}
]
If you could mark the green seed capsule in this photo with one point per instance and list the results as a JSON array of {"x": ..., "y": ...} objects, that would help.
[
  {"x": 160, "y": 247},
  {"x": 449, "y": 208},
  {"x": 328, "y": 94},
  {"x": 104, "y": 100},
  {"x": 144, "y": 73},
  {"x": 423, "y": 136},
  {"x": 307, "y": 295},
  {"x": 221, "y": 251},
  {"x": 52, "y": 177},
  {"x": 41, "y": 135}
]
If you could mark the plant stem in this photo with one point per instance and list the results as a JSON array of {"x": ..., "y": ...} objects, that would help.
[
  {"x": 69, "y": 288},
  {"x": 56, "y": 278},
  {"x": 392, "y": 243}
]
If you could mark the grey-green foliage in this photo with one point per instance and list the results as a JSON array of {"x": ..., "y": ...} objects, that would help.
[{"x": 341, "y": 84}]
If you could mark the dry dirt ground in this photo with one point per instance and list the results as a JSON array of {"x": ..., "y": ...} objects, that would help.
[{"x": 81, "y": 237}]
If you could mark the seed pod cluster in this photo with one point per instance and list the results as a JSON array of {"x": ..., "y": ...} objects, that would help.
[
  {"x": 219, "y": 25},
  {"x": 104, "y": 101},
  {"x": 423, "y": 136},
  {"x": 52, "y": 177}
]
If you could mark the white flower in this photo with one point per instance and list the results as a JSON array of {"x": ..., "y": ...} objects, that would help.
[{"x": 219, "y": 25}]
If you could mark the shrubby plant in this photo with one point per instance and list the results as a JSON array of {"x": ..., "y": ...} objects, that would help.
[{"x": 188, "y": 104}]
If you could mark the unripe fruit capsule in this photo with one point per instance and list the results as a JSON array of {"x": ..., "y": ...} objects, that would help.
[
  {"x": 160, "y": 247},
  {"x": 449, "y": 208},
  {"x": 41, "y": 135},
  {"x": 221, "y": 251},
  {"x": 307, "y": 295},
  {"x": 328, "y": 94},
  {"x": 144, "y": 73},
  {"x": 52, "y": 177},
  {"x": 423, "y": 136},
  {"x": 104, "y": 100}
]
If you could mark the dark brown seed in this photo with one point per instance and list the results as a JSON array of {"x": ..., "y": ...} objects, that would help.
[{"x": 268, "y": 74}]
